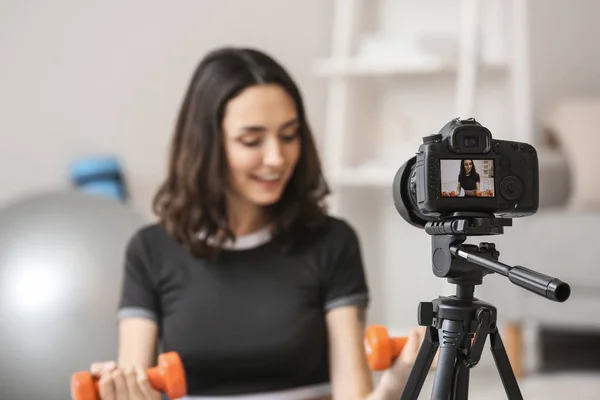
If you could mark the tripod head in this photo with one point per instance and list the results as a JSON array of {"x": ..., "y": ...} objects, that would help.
[{"x": 465, "y": 264}]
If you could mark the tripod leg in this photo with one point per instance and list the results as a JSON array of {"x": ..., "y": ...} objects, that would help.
[
  {"x": 503, "y": 364},
  {"x": 422, "y": 365},
  {"x": 461, "y": 383},
  {"x": 462, "y": 374},
  {"x": 451, "y": 337}
]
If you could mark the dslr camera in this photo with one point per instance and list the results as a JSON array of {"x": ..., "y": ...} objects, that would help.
[{"x": 463, "y": 169}]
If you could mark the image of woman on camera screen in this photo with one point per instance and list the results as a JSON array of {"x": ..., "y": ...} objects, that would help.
[{"x": 468, "y": 179}]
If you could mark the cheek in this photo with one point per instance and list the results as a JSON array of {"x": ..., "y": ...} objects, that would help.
[
  {"x": 242, "y": 162},
  {"x": 293, "y": 153}
]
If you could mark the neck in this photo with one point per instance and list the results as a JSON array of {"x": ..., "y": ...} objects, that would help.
[{"x": 245, "y": 217}]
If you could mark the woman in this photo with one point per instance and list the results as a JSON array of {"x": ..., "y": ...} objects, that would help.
[
  {"x": 468, "y": 178},
  {"x": 245, "y": 275}
]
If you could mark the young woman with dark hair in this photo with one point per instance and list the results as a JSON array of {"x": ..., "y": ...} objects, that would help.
[
  {"x": 468, "y": 178},
  {"x": 245, "y": 275}
]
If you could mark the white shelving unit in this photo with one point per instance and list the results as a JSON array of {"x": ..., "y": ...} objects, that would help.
[
  {"x": 366, "y": 68},
  {"x": 399, "y": 70}
]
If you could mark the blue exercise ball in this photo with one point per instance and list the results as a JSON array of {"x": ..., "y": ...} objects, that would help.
[{"x": 61, "y": 263}]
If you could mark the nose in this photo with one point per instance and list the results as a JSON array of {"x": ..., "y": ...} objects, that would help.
[{"x": 273, "y": 154}]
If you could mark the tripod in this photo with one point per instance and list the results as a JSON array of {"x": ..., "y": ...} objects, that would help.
[{"x": 454, "y": 321}]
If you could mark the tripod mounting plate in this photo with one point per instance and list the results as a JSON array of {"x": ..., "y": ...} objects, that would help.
[{"x": 468, "y": 224}]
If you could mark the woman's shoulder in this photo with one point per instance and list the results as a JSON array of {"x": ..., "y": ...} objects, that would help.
[
  {"x": 149, "y": 236},
  {"x": 340, "y": 225},
  {"x": 335, "y": 231},
  {"x": 150, "y": 232}
]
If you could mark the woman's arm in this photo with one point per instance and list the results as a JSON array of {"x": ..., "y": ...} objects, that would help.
[
  {"x": 350, "y": 374},
  {"x": 138, "y": 338},
  {"x": 126, "y": 378}
]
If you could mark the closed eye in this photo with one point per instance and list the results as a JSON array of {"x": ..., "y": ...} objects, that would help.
[
  {"x": 285, "y": 138},
  {"x": 253, "y": 135},
  {"x": 289, "y": 131},
  {"x": 289, "y": 137},
  {"x": 251, "y": 138},
  {"x": 255, "y": 143}
]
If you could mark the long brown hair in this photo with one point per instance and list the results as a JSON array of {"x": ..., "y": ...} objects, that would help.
[{"x": 191, "y": 200}]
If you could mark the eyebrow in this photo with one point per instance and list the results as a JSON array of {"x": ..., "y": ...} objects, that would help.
[{"x": 261, "y": 128}]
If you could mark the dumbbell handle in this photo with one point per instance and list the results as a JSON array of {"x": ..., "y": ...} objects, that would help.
[
  {"x": 398, "y": 344},
  {"x": 167, "y": 377},
  {"x": 155, "y": 378},
  {"x": 382, "y": 349}
]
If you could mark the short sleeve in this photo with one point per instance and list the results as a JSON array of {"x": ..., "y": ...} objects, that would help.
[
  {"x": 345, "y": 280},
  {"x": 478, "y": 179},
  {"x": 139, "y": 297}
]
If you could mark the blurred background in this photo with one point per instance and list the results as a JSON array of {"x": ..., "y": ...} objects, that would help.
[{"x": 89, "y": 93}]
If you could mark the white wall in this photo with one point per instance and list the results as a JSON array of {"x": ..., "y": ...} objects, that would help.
[
  {"x": 88, "y": 77},
  {"x": 565, "y": 56},
  {"x": 79, "y": 78}
]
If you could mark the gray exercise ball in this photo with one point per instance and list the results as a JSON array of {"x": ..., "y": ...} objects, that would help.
[{"x": 61, "y": 263}]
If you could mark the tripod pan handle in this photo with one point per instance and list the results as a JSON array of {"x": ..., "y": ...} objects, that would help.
[{"x": 544, "y": 285}]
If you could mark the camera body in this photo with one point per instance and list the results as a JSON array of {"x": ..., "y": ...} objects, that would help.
[{"x": 462, "y": 168}]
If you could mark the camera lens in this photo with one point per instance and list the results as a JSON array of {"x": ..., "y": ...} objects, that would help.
[
  {"x": 404, "y": 192},
  {"x": 470, "y": 141}
]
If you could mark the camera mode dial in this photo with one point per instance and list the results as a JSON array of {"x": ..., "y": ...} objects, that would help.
[{"x": 432, "y": 138}]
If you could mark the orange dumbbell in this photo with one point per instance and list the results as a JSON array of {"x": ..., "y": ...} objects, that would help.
[
  {"x": 168, "y": 377},
  {"x": 380, "y": 348}
]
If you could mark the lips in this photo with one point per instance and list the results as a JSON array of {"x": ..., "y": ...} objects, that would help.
[
  {"x": 269, "y": 181},
  {"x": 268, "y": 177}
]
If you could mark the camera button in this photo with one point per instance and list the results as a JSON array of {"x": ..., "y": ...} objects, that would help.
[
  {"x": 511, "y": 188},
  {"x": 497, "y": 148},
  {"x": 436, "y": 137}
]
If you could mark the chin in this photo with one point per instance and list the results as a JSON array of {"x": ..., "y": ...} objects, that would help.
[{"x": 266, "y": 200}]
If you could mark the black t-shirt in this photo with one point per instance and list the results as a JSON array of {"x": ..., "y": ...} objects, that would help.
[
  {"x": 254, "y": 320},
  {"x": 468, "y": 182}
]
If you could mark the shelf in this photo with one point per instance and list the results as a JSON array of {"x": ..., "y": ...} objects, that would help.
[
  {"x": 367, "y": 176},
  {"x": 358, "y": 67},
  {"x": 373, "y": 175}
]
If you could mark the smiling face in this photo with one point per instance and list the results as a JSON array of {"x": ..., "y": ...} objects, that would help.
[
  {"x": 262, "y": 144},
  {"x": 468, "y": 166}
]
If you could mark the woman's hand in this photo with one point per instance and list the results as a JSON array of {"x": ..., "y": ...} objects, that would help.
[
  {"x": 410, "y": 351},
  {"x": 123, "y": 384},
  {"x": 394, "y": 379}
]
